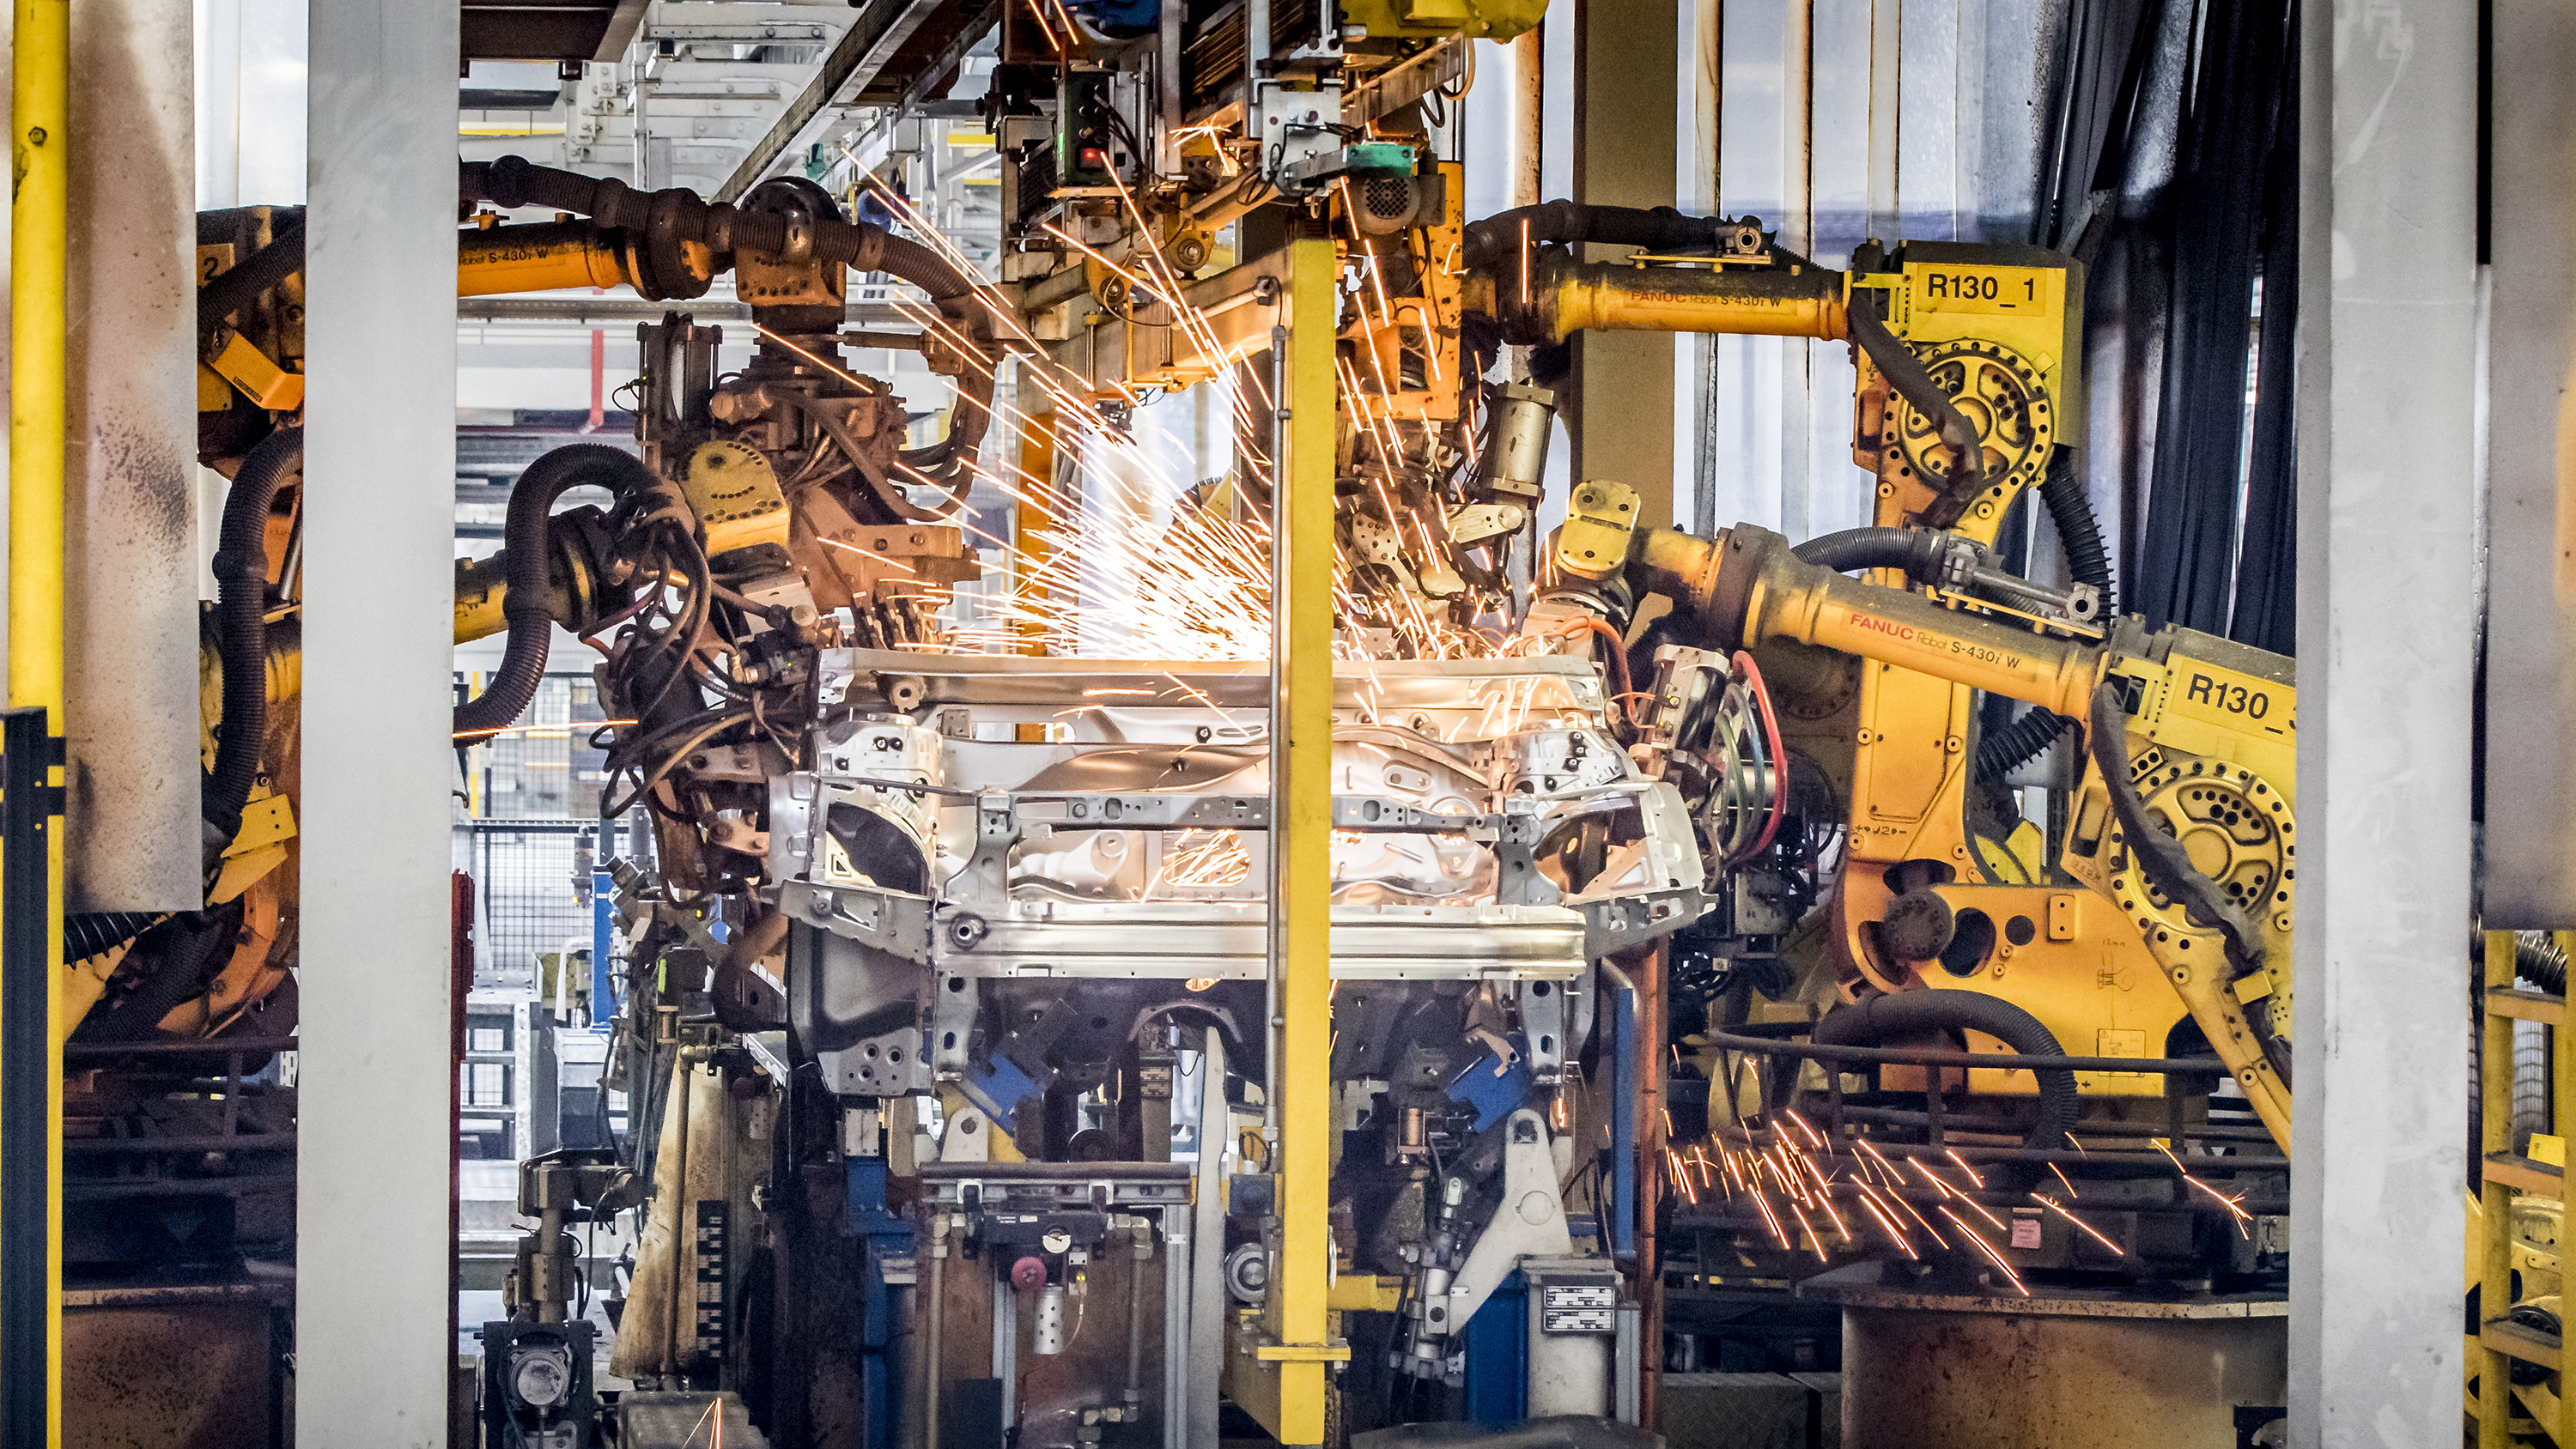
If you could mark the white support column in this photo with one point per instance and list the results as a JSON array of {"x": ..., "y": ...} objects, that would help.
[
  {"x": 2387, "y": 646},
  {"x": 372, "y": 1352}
]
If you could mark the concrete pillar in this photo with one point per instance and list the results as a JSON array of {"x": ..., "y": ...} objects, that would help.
[
  {"x": 130, "y": 591},
  {"x": 130, "y": 605},
  {"x": 372, "y": 1352},
  {"x": 2387, "y": 649},
  {"x": 1626, "y": 94}
]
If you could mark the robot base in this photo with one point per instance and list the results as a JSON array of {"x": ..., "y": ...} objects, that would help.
[{"x": 2072, "y": 1369}]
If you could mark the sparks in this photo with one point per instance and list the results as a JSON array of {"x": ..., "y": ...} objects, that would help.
[
  {"x": 2052, "y": 1205},
  {"x": 1988, "y": 1249}
]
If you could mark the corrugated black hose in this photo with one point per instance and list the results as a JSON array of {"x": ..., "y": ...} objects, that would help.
[
  {"x": 258, "y": 274},
  {"x": 2536, "y": 959},
  {"x": 1920, "y": 552},
  {"x": 529, "y": 571},
  {"x": 88, "y": 934},
  {"x": 1566, "y": 222},
  {"x": 241, "y": 626},
  {"x": 1909, "y": 1013},
  {"x": 2079, "y": 537}
]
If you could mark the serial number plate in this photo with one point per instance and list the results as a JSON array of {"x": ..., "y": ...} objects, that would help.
[
  {"x": 2225, "y": 697},
  {"x": 1578, "y": 1320},
  {"x": 1580, "y": 1296},
  {"x": 1948, "y": 288}
]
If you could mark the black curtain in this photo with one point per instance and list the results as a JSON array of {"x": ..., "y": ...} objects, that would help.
[
  {"x": 2171, "y": 171},
  {"x": 2267, "y": 571}
]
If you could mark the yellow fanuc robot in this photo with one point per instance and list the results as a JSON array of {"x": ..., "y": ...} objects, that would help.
[
  {"x": 2182, "y": 832},
  {"x": 2180, "y": 844}
]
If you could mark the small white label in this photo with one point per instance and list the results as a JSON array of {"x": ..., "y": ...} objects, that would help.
[
  {"x": 1578, "y": 1320},
  {"x": 2025, "y": 1232},
  {"x": 1604, "y": 1296}
]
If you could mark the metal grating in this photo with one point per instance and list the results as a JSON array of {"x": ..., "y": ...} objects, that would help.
[{"x": 530, "y": 894}]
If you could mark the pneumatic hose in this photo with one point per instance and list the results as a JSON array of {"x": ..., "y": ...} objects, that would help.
[
  {"x": 528, "y": 571},
  {"x": 241, "y": 625}
]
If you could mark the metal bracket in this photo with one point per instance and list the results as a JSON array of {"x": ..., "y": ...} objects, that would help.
[
  {"x": 1521, "y": 882},
  {"x": 997, "y": 829},
  {"x": 1620, "y": 922},
  {"x": 1338, "y": 1351},
  {"x": 1543, "y": 1028},
  {"x": 952, "y": 1023},
  {"x": 889, "y": 921},
  {"x": 1528, "y": 1221}
]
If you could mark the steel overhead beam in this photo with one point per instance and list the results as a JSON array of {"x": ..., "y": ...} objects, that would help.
[
  {"x": 600, "y": 311},
  {"x": 912, "y": 105},
  {"x": 717, "y": 13},
  {"x": 858, "y": 57}
]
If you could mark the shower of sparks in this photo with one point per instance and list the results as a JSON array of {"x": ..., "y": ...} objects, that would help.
[
  {"x": 2052, "y": 1205},
  {"x": 1814, "y": 1242},
  {"x": 1844, "y": 1184},
  {"x": 2235, "y": 1206},
  {"x": 1135, "y": 562},
  {"x": 1978, "y": 1241},
  {"x": 1206, "y": 860},
  {"x": 1896, "y": 1234}
]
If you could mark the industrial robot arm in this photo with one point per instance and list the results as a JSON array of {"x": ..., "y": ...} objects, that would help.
[{"x": 2184, "y": 818}]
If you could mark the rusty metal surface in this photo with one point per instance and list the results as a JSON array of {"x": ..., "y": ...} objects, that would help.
[
  {"x": 274, "y": 1292},
  {"x": 186, "y": 1375},
  {"x": 1976, "y": 1380},
  {"x": 1874, "y": 1286}
]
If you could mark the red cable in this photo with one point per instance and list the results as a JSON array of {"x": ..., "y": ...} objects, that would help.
[
  {"x": 1779, "y": 757},
  {"x": 1618, "y": 650}
]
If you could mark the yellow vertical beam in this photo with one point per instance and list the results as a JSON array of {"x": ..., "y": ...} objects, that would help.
[
  {"x": 2495, "y": 1200},
  {"x": 1032, "y": 543},
  {"x": 2562, "y": 1121},
  {"x": 39, "y": 219},
  {"x": 1300, "y": 1336}
]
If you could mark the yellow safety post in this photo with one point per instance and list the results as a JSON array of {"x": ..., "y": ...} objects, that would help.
[
  {"x": 2503, "y": 1172},
  {"x": 1298, "y": 1344},
  {"x": 1033, "y": 522},
  {"x": 39, "y": 220},
  {"x": 2495, "y": 1198},
  {"x": 2562, "y": 1124}
]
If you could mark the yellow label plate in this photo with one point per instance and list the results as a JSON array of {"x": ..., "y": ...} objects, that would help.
[
  {"x": 1996, "y": 291},
  {"x": 2238, "y": 702},
  {"x": 213, "y": 261}
]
